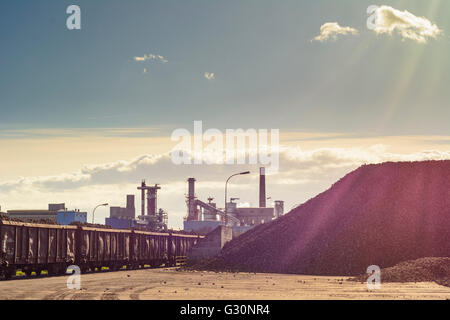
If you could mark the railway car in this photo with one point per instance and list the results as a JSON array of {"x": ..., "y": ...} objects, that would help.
[
  {"x": 180, "y": 244},
  {"x": 98, "y": 248},
  {"x": 150, "y": 248},
  {"x": 36, "y": 247}
]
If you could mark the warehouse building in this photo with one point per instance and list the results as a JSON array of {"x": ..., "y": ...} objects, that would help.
[
  {"x": 29, "y": 215},
  {"x": 122, "y": 218},
  {"x": 57, "y": 213},
  {"x": 67, "y": 217}
]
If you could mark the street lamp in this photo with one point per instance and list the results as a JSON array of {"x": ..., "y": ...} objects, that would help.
[
  {"x": 226, "y": 190},
  {"x": 93, "y": 212}
]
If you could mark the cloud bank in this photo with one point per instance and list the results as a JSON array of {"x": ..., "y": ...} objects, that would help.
[
  {"x": 303, "y": 174},
  {"x": 389, "y": 20},
  {"x": 293, "y": 162},
  {"x": 333, "y": 30}
]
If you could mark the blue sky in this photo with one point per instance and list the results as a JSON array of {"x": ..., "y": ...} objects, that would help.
[
  {"x": 81, "y": 122},
  {"x": 268, "y": 72}
]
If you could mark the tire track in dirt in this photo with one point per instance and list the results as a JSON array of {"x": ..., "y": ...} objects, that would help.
[
  {"x": 58, "y": 295},
  {"x": 135, "y": 295},
  {"x": 84, "y": 296},
  {"x": 109, "y": 296}
]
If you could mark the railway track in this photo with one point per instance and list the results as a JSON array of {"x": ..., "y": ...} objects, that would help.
[{"x": 20, "y": 275}]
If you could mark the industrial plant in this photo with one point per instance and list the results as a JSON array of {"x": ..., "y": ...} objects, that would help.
[
  {"x": 146, "y": 234},
  {"x": 153, "y": 219},
  {"x": 204, "y": 217}
]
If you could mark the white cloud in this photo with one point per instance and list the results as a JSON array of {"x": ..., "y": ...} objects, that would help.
[
  {"x": 303, "y": 174},
  {"x": 151, "y": 57},
  {"x": 210, "y": 75},
  {"x": 406, "y": 24},
  {"x": 333, "y": 30},
  {"x": 161, "y": 168}
]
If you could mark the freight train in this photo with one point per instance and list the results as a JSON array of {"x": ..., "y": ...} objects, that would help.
[{"x": 37, "y": 247}]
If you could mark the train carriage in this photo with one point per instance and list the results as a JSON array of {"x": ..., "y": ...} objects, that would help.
[
  {"x": 179, "y": 246},
  {"x": 36, "y": 247},
  {"x": 103, "y": 248},
  {"x": 149, "y": 248}
]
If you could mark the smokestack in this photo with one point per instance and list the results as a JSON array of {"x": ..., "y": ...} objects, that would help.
[
  {"x": 152, "y": 199},
  {"x": 130, "y": 201},
  {"x": 149, "y": 205},
  {"x": 152, "y": 204},
  {"x": 131, "y": 211},
  {"x": 191, "y": 199},
  {"x": 142, "y": 188},
  {"x": 262, "y": 187}
]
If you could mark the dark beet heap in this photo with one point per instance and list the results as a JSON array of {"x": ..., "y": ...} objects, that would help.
[
  {"x": 420, "y": 270},
  {"x": 379, "y": 214}
]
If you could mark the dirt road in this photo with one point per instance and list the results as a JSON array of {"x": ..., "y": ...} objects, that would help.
[{"x": 169, "y": 284}]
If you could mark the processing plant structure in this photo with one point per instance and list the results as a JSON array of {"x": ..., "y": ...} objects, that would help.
[
  {"x": 153, "y": 219},
  {"x": 203, "y": 217}
]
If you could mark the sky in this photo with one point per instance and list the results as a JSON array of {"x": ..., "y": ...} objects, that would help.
[{"x": 86, "y": 114}]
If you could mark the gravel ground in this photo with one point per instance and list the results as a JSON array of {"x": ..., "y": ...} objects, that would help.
[{"x": 173, "y": 284}]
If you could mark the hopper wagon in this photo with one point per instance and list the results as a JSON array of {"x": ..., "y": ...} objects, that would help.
[{"x": 33, "y": 247}]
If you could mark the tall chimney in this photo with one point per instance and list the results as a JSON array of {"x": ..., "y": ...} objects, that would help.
[
  {"x": 143, "y": 187},
  {"x": 149, "y": 202},
  {"x": 130, "y": 201},
  {"x": 262, "y": 187},
  {"x": 152, "y": 199},
  {"x": 191, "y": 199},
  {"x": 131, "y": 211}
]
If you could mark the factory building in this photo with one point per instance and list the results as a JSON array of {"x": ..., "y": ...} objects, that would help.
[
  {"x": 29, "y": 215},
  {"x": 118, "y": 223},
  {"x": 253, "y": 216},
  {"x": 56, "y": 212},
  {"x": 129, "y": 212},
  {"x": 204, "y": 217},
  {"x": 67, "y": 217},
  {"x": 122, "y": 218},
  {"x": 153, "y": 219},
  {"x": 57, "y": 207}
]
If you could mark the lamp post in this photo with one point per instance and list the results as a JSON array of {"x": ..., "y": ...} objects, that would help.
[
  {"x": 93, "y": 212},
  {"x": 226, "y": 190}
]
